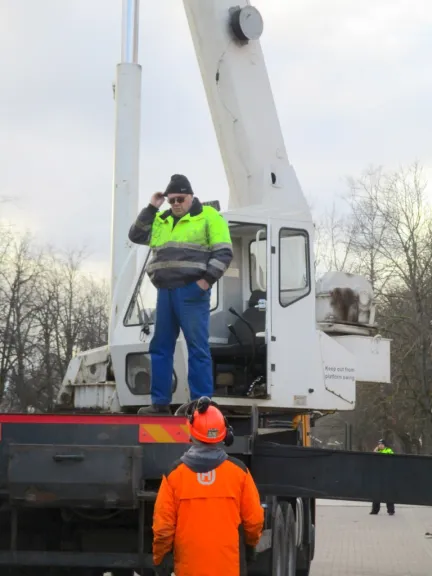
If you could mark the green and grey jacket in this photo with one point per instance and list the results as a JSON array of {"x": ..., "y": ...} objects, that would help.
[{"x": 197, "y": 246}]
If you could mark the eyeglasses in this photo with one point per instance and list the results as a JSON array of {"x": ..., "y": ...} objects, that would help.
[{"x": 176, "y": 199}]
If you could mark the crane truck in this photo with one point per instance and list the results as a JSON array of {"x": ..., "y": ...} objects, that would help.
[{"x": 78, "y": 486}]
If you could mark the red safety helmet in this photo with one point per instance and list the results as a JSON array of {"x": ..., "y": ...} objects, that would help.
[{"x": 207, "y": 423}]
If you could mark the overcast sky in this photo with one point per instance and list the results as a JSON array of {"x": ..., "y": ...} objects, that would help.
[{"x": 352, "y": 81}]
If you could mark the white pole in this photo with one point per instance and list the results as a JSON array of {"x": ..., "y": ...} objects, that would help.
[{"x": 126, "y": 158}]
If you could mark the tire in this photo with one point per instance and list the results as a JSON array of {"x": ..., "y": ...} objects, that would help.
[
  {"x": 306, "y": 553},
  {"x": 278, "y": 556},
  {"x": 290, "y": 538},
  {"x": 272, "y": 561},
  {"x": 303, "y": 561},
  {"x": 312, "y": 546},
  {"x": 303, "y": 571}
]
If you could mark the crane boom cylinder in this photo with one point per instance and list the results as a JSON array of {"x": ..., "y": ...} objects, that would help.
[{"x": 130, "y": 31}]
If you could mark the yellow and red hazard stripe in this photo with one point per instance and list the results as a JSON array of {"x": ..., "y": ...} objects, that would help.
[{"x": 167, "y": 432}]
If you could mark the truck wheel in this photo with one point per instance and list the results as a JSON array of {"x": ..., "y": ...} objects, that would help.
[
  {"x": 305, "y": 570},
  {"x": 312, "y": 546},
  {"x": 290, "y": 538},
  {"x": 306, "y": 556},
  {"x": 306, "y": 552},
  {"x": 278, "y": 563},
  {"x": 271, "y": 562},
  {"x": 304, "y": 560}
]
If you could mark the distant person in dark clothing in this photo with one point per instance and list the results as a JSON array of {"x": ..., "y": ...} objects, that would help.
[{"x": 382, "y": 448}]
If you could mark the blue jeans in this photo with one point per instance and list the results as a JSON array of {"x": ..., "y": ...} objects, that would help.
[{"x": 187, "y": 308}]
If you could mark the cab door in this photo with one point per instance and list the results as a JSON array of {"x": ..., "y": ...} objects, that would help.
[{"x": 293, "y": 358}]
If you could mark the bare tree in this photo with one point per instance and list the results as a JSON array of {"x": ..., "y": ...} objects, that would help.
[
  {"x": 387, "y": 236},
  {"x": 49, "y": 311},
  {"x": 73, "y": 317},
  {"x": 334, "y": 241},
  {"x": 369, "y": 227},
  {"x": 20, "y": 274},
  {"x": 408, "y": 314}
]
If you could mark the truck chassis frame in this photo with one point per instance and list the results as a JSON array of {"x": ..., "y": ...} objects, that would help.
[{"x": 85, "y": 503}]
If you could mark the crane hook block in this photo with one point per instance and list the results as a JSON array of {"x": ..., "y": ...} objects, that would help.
[{"x": 246, "y": 23}]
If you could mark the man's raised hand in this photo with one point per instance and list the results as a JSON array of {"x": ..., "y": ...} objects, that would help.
[{"x": 157, "y": 199}]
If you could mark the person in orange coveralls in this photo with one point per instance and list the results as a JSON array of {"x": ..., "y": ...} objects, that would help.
[{"x": 208, "y": 510}]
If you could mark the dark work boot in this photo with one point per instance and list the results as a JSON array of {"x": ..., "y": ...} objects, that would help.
[{"x": 155, "y": 410}]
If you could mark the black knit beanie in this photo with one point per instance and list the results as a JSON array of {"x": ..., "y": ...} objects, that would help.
[{"x": 178, "y": 184}]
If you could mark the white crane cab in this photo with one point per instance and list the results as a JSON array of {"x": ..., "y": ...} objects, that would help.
[
  {"x": 278, "y": 340},
  {"x": 266, "y": 345}
]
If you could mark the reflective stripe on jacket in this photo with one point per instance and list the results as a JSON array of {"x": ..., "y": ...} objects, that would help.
[
  {"x": 202, "y": 516},
  {"x": 197, "y": 246}
]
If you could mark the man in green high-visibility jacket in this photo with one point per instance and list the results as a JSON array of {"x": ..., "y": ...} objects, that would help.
[
  {"x": 191, "y": 250},
  {"x": 382, "y": 448}
]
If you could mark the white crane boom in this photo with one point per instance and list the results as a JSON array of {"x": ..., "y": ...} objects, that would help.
[{"x": 242, "y": 107}]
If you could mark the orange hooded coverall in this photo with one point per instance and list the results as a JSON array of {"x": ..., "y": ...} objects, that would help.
[{"x": 200, "y": 516}]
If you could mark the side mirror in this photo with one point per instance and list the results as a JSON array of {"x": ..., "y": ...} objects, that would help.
[{"x": 144, "y": 320}]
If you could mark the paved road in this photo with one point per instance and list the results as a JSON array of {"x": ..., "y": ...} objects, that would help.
[{"x": 352, "y": 543}]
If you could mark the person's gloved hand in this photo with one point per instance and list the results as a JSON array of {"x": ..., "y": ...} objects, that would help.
[
  {"x": 251, "y": 554},
  {"x": 166, "y": 567}
]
